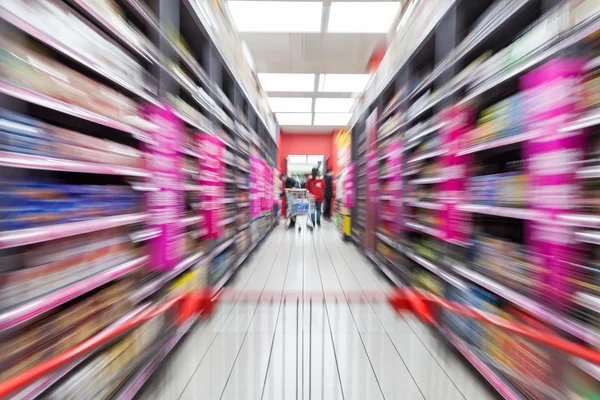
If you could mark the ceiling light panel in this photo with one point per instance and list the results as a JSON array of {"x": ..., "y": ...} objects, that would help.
[
  {"x": 294, "y": 118},
  {"x": 362, "y": 17},
  {"x": 333, "y": 105},
  {"x": 348, "y": 83},
  {"x": 287, "y": 82},
  {"x": 297, "y": 159},
  {"x": 314, "y": 159},
  {"x": 276, "y": 16},
  {"x": 332, "y": 119},
  {"x": 290, "y": 104}
]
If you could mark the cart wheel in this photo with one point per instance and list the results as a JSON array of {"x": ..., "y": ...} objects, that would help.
[{"x": 299, "y": 229}]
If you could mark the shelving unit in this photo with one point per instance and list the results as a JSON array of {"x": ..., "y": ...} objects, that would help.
[
  {"x": 458, "y": 98},
  {"x": 131, "y": 149}
]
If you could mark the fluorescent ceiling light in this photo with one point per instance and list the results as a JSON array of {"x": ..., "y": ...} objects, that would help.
[
  {"x": 333, "y": 105},
  {"x": 276, "y": 16},
  {"x": 349, "y": 83},
  {"x": 294, "y": 118},
  {"x": 314, "y": 159},
  {"x": 297, "y": 159},
  {"x": 332, "y": 119},
  {"x": 290, "y": 104},
  {"x": 362, "y": 17},
  {"x": 287, "y": 82}
]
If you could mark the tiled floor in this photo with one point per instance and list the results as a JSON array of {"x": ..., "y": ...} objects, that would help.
[{"x": 324, "y": 350}]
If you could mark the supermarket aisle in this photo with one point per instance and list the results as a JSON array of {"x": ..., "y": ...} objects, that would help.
[{"x": 335, "y": 351}]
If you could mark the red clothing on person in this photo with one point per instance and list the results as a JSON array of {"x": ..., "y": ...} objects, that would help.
[{"x": 316, "y": 187}]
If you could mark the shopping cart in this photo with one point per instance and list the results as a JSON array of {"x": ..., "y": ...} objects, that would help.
[
  {"x": 320, "y": 345},
  {"x": 300, "y": 203}
]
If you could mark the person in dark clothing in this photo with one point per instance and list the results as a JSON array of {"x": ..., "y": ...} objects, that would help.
[
  {"x": 329, "y": 194},
  {"x": 290, "y": 183},
  {"x": 316, "y": 186}
]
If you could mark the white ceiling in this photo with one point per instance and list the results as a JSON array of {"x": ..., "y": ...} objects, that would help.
[{"x": 312, "y": 49}]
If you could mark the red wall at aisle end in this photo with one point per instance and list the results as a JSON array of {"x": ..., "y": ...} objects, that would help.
[{"x": 310, "y": 144}]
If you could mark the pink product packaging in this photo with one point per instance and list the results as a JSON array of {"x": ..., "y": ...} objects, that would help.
[
  {"x": 459, "y": 120},
  {"x": 395, "y": 182},
  {"x": 165, "y": 205},
  {"x": 348, "y": 188},
  {"x": 212, "y": 173},
  {"x": 552, "y": 159},
  {"x": 254, "y": 189}
]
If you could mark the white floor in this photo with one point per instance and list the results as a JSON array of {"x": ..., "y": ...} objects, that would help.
[{"x": 295, "y": 350}]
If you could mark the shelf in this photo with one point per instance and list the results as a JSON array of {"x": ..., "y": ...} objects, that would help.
[
  {"x": 387, "y": 240},
  {"x": 591, "y": 369},
  {"x": 592, "y": 237},
  {"x": 505, "y": 390},
  {"x": 145, "y": 234},
  {"x": 427, "y": 181},
  {"x": 203, "y": 21},
  {"x": 107, "y": 26},
  {"x": 187, "y": 221},
  {"x": 227, "y": 221},
  {"x": 385, "y": 269},
  {"x": 426, "y": 204},
  {"x": 229, "y": 200},
  {"x": 75, "y": 55},
  {"x": 576, "y": 34},
  {"x": 243, "y": 226},
  {"x": 523, "y": 137},
  {"x": 585, "y": 220},
  {"x": 436, "y": 233},
  {"x": 431, "y": 267},
  {"x": 465, "y": 47},
  {"x": 35, "y": 390},
  {"x": 29, "y": 310},
  {"x": 429, "y": 154},
  {"x": 158, "y": 283},
  {"x": 508, "y": 212},
  {"x": 386, "y": 217},
  {"x": 24, "y": 237},
  {"x": 538, "y": 310},
  {"x": 592, "y": 172},
  {"x": 131, "y": 388},
  {"x": 26, "y": 161},
  {"x": 243, "y": 204},
  {"x": 69, "y": 109},
  {"x": 222, "y": 247},
  {"x": 588, "y": 300},
  {"x": 591, "y": 118},
  {"x": 414, "y": 139}
]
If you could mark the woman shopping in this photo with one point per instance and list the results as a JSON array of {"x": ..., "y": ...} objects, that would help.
[{"x": 316, "y": 186}]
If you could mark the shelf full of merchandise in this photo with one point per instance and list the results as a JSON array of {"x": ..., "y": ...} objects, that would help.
[
  {"x": 434, "y": 95},
  {"x": 88, "y": 247}
]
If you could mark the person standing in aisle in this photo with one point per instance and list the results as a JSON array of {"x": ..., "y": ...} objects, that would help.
[
  {"x": 315, "y": 185},
  {"x": 329, "y": 194},
  {"x": 290, "y": 183}
]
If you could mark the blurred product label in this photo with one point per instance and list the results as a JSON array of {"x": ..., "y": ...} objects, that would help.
[
  {"x": 211, "y": 179},
  {"x": 254, "y": 186},
  {"x": 343, "y": 141},
  {"x": 372, "y": 181},
  {"x": 166, "y": 204},
  {"x": 394, "y": 160},
  {"x": 348, "y": 185},
  {"x": 551, "y": 161},
  {"x": 456, "y": 224}
]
